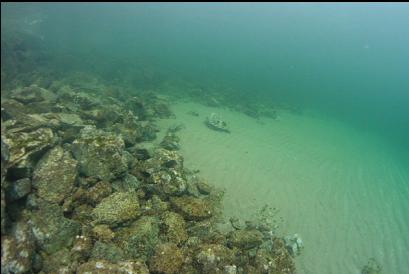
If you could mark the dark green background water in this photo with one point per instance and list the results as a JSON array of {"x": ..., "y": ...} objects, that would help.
[{"x": 348, "y": 60}]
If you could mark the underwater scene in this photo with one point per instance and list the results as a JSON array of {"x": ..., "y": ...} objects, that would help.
[{"x": 187, "y": 138}]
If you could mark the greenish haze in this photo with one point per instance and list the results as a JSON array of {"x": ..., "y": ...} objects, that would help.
[{"x": 350, "y": 60}]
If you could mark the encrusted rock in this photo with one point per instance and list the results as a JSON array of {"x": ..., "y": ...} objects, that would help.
[
  {"x": 141, "y": 238},
  {"x": 32, "y": 94},
  {"x": 246, "y": 239},
  {"x": 107, "y": 251},
  {"x": 168, "y": 259},
  {"x": 93, "y": 195},
  {"x": 174, "y": 227},
  {"x": 105, "y": 267},
  {"x": 24, "y": 144},
  {"x": 100, "y": 154},
  {"x": 193, "y": 208},
  {"x": 17, "y": 249},
  {"x": 18, "y": 189},
  {"x": 213, "y": 258},
  {"x": 116, "y": 209},
  {"x": 55, "y": 175},
  {"x": 51, "y": 229}
]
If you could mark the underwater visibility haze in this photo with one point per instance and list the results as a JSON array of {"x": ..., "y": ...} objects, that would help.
[{"x": 156, "y": 137}]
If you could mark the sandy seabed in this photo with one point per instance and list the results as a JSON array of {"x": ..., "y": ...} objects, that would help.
[{"x": 343, "y": 190}]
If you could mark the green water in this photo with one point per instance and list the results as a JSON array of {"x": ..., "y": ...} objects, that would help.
[{"x": 345, "y": 63}]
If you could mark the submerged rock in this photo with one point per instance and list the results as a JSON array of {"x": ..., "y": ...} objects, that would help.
[
  {"x": 246, "y": 239},
  {"x": 105, "y": 267},
  {"x": 18, "y": 189},
  {"x": 32, "y": 94},
  {"x": 193, "y": 209},
  {"x": 116, "y": 209},
  {"x": 51, "y": 229},
  {"x": 215, "y": 122},
  {"x": 141, "y": 238},
  {"x": 294, "y": 244},
  {"x": 17, "y": 249},
  {"x": 168, "y": 259},
  {"x": 174, "y": 228},
  {"x": 55, "y": 175},
  {"x": 100, "y": 154},
  {"x": 24, "y": 144}
]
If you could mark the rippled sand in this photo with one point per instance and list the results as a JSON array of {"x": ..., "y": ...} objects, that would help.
[{"x": 344, "y": 191}]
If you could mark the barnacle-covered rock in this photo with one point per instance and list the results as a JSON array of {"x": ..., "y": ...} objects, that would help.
[
  {"x": 17, "y": 249},
  {"x": 93, "y": 195},
  {"x": 51, "y": 229},
  {"x": 246, "y": 239},
  {"x": 168, "y": 259},
  {"x": 100, "y": 154},
  {"x": 107, "y": 251},
  {"x": 32, "y": 94},
  {"x": 18, "y": 189},
  {"x": 141, "y": 238},
  {"x": 117, "y": 208},
  {"x": 193, "y": 209},
  {"x": 24, "y": 144},
  {"x": 55, "y": 174},
  {"x": 174, "y": 228},
  {"x": 213, "y": 258},
  {"x": 105, "y": 267}
]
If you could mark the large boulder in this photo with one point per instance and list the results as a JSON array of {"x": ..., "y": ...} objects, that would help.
[
  {"x": 100, "y": 154},
  {"x": 54, "y": 176}
]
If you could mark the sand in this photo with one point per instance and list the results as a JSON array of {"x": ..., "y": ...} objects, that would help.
[{"x": 343, "y": 190}]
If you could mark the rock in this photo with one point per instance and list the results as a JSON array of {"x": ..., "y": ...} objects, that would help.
[
  {"x": 55, "y": 175},
  {"x": 18, "y": 189},
  {"x": 372, "y": 267},
  {"x": 5, "y": 156},
  {"x": 32, "y": 94},
  {"x": 51, "y": 229},
  {"x": 215, "y": 122},
  {"x": 17, "y": 249},
  {"x": 246, "y": 239},
  {"x": 174, "y": 228},
  {"x": 192, "y": 209},
  {"x": 24, "y": 144},
  {"x": 170, "y": 142},
  {"x": 168, "y": 259},
  {"x": 103, "y": 233},
  {"x": 81, "y": 249},
  {"x": 293, "y": 244},
  {"x": 100, "y": 154},
  {"x": 127, "y": 183},
  {"x": 117, "y": 208},
  {"x": 93, "y": 195},
  {"x": 105, "y": 267},
  {"x": 107, "y": 251},
  {"x": 213, "y": 257},
  {"x": 141, "y": 238},
  {"x": 58, "y": 262}
]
